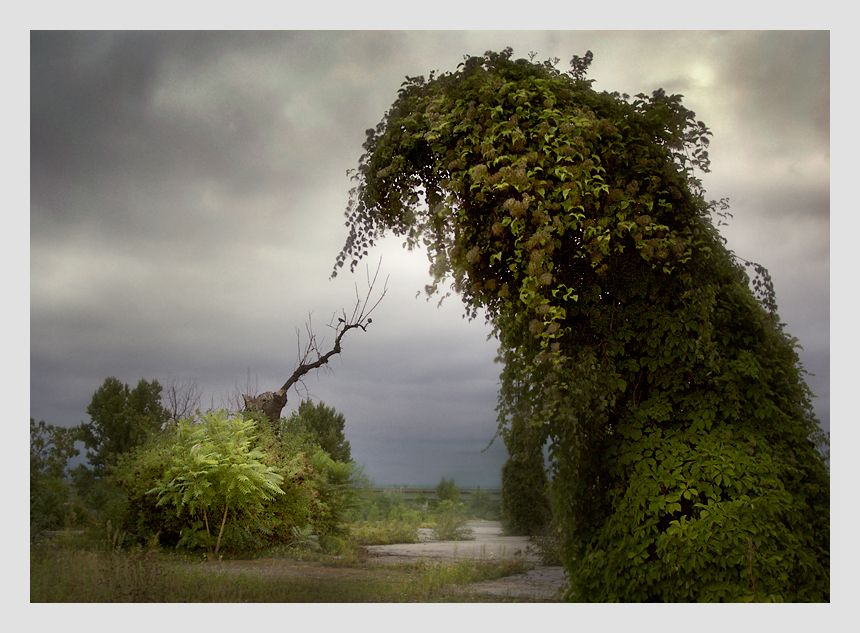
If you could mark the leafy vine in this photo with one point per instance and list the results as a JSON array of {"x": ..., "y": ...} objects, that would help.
[{"x": 574, "y": 221}]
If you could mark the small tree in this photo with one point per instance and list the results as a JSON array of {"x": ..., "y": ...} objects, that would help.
[
  {"x": 341, "y": 483},
  {"x": 121, "y": 418},
  {"x": 482, "y": 507},
  {"x": 326, "y": 425},
  {"x": 526, "y": 506},
  {"x": 51, "y": 447},
  {"x": 216, "y": 468},
  {"x": 447, "y": 491}
]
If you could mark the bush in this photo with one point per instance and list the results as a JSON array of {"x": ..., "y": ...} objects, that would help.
[
  {"x": 481, "y": 507},
  {"x": 525, "y": 505},
  {"x": 446, "y": 490},
  {"x": 450, "y": 522},
  {"x": 313, "y": 489},
  {"x": 304, "y": 538},
  {"x": 386, "y": 532},
  {"x": 547, "y": 543}
]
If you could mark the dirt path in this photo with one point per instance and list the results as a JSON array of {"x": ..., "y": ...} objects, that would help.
[{"x": 544, "y": 583}]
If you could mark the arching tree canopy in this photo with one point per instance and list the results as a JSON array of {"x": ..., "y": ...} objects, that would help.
[{"x": 682, "y": 438}]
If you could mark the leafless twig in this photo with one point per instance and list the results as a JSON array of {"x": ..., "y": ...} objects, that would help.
[{"x": 311, "y": 357}]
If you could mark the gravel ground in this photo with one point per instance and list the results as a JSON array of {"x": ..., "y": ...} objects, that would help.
[{"x": 545, "y": 583}]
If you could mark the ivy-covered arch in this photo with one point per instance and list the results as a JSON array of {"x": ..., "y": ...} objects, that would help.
[{"x": 682, "y": 438}]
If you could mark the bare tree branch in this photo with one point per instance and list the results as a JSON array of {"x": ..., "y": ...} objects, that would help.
[
  {"x": 181, "y": 398},
  {"x": 311, "y": 357}
]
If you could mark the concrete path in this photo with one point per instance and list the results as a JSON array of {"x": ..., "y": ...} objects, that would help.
[
  {"x": 542, "y": 583},
  {"x": 488, "y": 542}
]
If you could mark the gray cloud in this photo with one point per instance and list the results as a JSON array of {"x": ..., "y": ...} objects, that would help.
[{"x": 187, "y": 198}]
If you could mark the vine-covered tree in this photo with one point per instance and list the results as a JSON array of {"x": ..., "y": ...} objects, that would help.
[{"x": 682, "y": 439}]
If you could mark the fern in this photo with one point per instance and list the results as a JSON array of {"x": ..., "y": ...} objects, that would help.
[{"x": 215, "y": 471}]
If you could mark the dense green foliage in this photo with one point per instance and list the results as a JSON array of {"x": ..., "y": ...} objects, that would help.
[
  {"x": 449, "y": 522},
  {"x": 447, "y": 490},
  {"x": 326, "y": 425},
  {"x": 683, "y": 445},
  {"x": 525, "y": 500},
  {"x": 230, "y": 481},
  {"x": 121, "y": 419},
  {"x": 52, "y": 504},
  {"x": 217, "y": 464}
]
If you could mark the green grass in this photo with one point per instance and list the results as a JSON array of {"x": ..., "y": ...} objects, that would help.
[
  {"x": 385, "y": 532},
  {"x": 65, "y": 571}
]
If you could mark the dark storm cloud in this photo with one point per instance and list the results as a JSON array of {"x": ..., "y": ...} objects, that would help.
[
  {"x": 187, "y": 198},
  {"x": 127, "y": 113}
]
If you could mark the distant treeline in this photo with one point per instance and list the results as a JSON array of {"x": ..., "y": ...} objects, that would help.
[{"x": 410, "y": 494}]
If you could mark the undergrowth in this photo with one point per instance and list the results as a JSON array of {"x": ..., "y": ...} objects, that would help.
[
  {"x": 76, "y": 571},
  {"x": 385, "y": 532}
]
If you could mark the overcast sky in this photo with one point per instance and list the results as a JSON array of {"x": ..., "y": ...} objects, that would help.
[{"x": 187, "y": 196}]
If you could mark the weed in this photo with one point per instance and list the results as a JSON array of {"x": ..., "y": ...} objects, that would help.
[
  {"x": 547, "y": 544},
  {"x": 385, "y": 532},
  {"x": 451, "y": 522},
  {"x": 465, "y": 571},
  {"x": 304, "y": 538},
  {"x": 146, "y": 574}
]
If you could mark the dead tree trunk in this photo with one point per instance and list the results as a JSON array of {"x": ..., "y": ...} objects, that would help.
[{"x": 272, "y": 403}]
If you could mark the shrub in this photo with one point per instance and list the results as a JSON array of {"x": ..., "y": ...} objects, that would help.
[
  {"x": 304, "y": 538},
  {"x": 446, "y": 490},
  {"x": 482, "y": 507},
  {"x": 547, "y": 543},
  {"x": 386, "y": 532},
  {"x": 525, "y": 504},
  {"x": 450, "y": 522},
  {"x": 312, "y": 489}
]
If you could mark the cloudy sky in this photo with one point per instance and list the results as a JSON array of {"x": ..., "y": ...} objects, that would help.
[{"x": 187, "y": 193}]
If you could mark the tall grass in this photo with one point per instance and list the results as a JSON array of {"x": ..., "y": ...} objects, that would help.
[
  {"x": 438, "y": 575},
  {"x": 385, "y": 532},
  {"x": 63, "y": 573}
]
